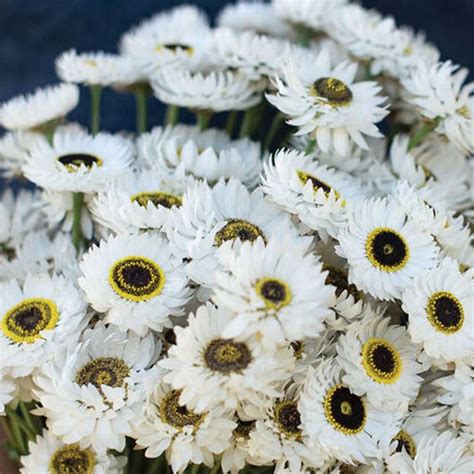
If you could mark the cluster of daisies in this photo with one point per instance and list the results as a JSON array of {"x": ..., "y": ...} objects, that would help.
[{"x": 285, "y": 286}]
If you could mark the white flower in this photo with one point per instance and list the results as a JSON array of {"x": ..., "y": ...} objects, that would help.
[
  {"x": 255, "y": 16},
  {"x": 385, "y": 248},
  {"x": 180, "y": 151},
  {"x": 380, "y": 361},
  {"x": 347, "y": 426},
  {"x": 276, "y": 289},
  {"x": 166, "y": 425},
  {"x": 48, "y": 453},
  {"x": 137, "y": 201},
  {"x": 40, "y": 107},
  {"x": 98, "y": 68},
  {"x": 136, "y": 280},
  {"x": 38, "y": 317},
  {"x": 7, "y": 389},
  {"x": 209, "y": 217},
  {"x": 325, "y": 102},
  {"x": 211, "y": 368},
  {"x": 215, "y": 90},
  {"x": 439, "y": 305},
  {"x": 442, "y": 453},
  {"x": 78, "y": 162},
  {"x": 91, "y": 393},
  {"x": 439, "y": 95},
  {"x": 13, "y": 149}
]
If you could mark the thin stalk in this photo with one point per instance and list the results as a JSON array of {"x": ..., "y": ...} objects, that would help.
[
  {"x": 141, "y": 100},
  {"x": 77, "y": 199},
  {"x": 18, "y": 426},
  {"x": 172, "y": 115},
  {"x": 277, "y": 122},
  {"x": 246, "y": 126},
  {"x": 157, "y": 465},
  {"x": 7, "y": 431},
  {"x": 423, "y": 132},
  {"x": 310, "y": 147},
  {"x": 203, "y": 118},
  {"x": 230, "y": 123},
  {"x": 27, "y": 416},
  {"x": 96, "y": 94}
]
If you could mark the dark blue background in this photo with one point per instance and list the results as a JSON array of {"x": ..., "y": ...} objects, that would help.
[{"x": 34, "y": 32}]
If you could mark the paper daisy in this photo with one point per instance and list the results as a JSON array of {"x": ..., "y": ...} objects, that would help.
[
  {"x": 440, "y": 96},
  {"x": 211, "y": 216},
  {"x": 13, "y": 149},
  {"x": 91, "y": 393},
  {"x": 38, "y": 317},
  {"x": 277, "y": 289},
  {"x": 40, "y": 108},
  {"x": 439, "y": 306},
  {"x": 216, "y": 90},
  {"x": 442, "y": 453},
  {"x": 347, "y": 426},
  {"x": 384, "y": 248},
  {"x": 211, "y": 368},
  {"x": 186, "y": 436},
  {"x": 183, "y": 151},
  {"x": 78, "y": 162},
  {"x": 380, "y": 361},
  {"x": 136, "y": 280},
  {"x": 47, "y": 453},
  {"x": 325, "y": 102}
]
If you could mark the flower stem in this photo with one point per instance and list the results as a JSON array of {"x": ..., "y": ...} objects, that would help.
[
  {"x": 27, "y": 416},
  {"x": 141, "y": 110},
  {"x": 310, "y": 147},
  {"x": 172, "y": 115},
  {"x": 157, "y": 466},
  {"x": 77, "y": 200},
  {"x": 230, "y": 123},
  {"x": 423, "y": 132},
  {"x": 275, "y": 126},
  {"x": 18, "y": 425},
  {"x": 95, "y": 93},
  {"x": 203, "y": 118}
]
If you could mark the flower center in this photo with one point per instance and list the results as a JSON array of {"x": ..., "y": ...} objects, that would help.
[
  {"x": 238, "y": 229},
  {"x": 338, "y": 279},
  {"x": 316, "y": 183},
  {"x": 110, "y": 371},
  {"x": 157, "y": 199},
  {"x": 275, "y": 293},
  {"x": 73, "y": 161},
  {"x": 227, "y": 356},
  {"x": 298, "y": 349},
  {"x": 381, "y": 361},
  {"x": 176, "y": 415},
  {"x": 334, "y": 91},
  {"x": 288, "y": 418},
  {"x": 72, "y": 460},
  {"x": 136, "y": 278},
  {"x": 387, "y": 250},
  {"x": 174, "y": 48},
  {"x": 404, "y": 440},
  {"x": 344, "y": 410},
  {"x": 24, "y": 322},
  {"x": 243, "y": 428},
  {"x": 445, "y": 312}
]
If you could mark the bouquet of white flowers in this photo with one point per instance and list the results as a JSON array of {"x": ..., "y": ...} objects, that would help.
[{"x": 285, "y": 286}]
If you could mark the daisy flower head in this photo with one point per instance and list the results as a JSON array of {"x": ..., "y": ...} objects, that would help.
[
  {"x": 183, "y": 434},
  {"x": 47, "y": 453},
  {"x": 325, "y": 102},
  {"x": 98, "y": 69},
  {"x": 255, "y": 16},
  {"x": 212, "y": 369},
  {"x": 183, "y": 151},
  {"x": 279, "y": 437},
  {"x": 38, "y": 317},
  {"x": 78, "y": 162},
  {"x": 385, "y": 249},
  {"x": 91, "y": 393},
  {"x": 435, "y": 453},
  {"x": 318, "y": 195},
  {"x": 439, "y": 306},
  {"x": 136, "y": 280},
  {"x": 137, "y": 201},
  {"x": 438, "y": 93},
  {"x": 346, "y": 425},
  {"x": 380, "y": 361},
  {"x": 40, "y": 108},
  {"x": 206, "y": 90},
  {"x": 277, "y": 289}
]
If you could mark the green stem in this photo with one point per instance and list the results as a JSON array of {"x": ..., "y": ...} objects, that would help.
[
  {"x": 310, "y": 147},
  {"x": 423, "y": 132},
  {"x": 194, "y": 469},
  {"x": 17, "y": 426},
  {"x": 215, "y": 469},
  {"x": 172, "y": 115},
  {"x": 230, "y": 123},
  {"x": 203, "y": 118},
  {"x": 277, "y": 122},
  {"x": 95, "y": 93},
  {"x": 247, "y": 125},
  {"x": 157, "y": 465},
  {"x": 27, "y": 416},
  {"x": 7, "y": 431},
  {"x": 141, "y": 110},
  {"x": 77, "y": 199}
]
